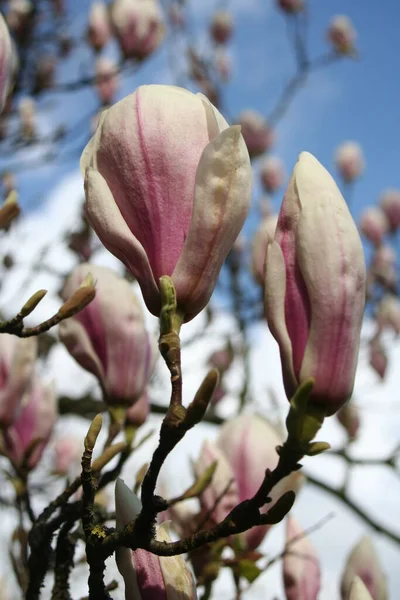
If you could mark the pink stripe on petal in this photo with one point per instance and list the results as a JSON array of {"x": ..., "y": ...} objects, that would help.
[{"x": 149, "y": 575}]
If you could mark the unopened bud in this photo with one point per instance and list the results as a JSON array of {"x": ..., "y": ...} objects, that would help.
[
  {"x": 197, "y": 408},
  {"x": 10, "y": 210},
  {"x": 32, "y": 303},
  {"x": 93, "y": 432},
  {"x": 79, "y": 299}
]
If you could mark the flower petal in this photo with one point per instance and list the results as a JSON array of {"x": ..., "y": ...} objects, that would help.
[
  {"x": 222, "y": 200},
  {"x": 274, "y": 303},
  {"x": 105, "y": 217},
  {"x": 74, "y": 337}
]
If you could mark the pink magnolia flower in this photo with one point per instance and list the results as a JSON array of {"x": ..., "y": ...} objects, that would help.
[
  {"x": 263, "y": 236},
  {"x": 138, "y": 26},
  {"x": 315, "y": 286},
  {"x": 99, "y": 32},
  {"x": 374, "y": 225},
  {"x": 350, "y": 161},
  {"x": 17, "y": 362},
  {"x": 249, "y": 442},
  {"x": 301, "y": 570},
  {"x": 147, "y": 576},
  {"x": 358, "y": 591},
  {"x": 34, "y": 425},
  {"x": 221, "y": 28},
  {"x": 108, "y": 338},
  {"x": 363, "y": 562},
  {"x": 257, "y": 134},
  {"x": 107, "y": 80},
  {"x": 7, "y": 62},
  {"x": 390, "y": 204},
  {"x": 168, "y": 188},
  {"x": 342, "y": 35},
  {"x": 223, "y": 358},
  {"x": 291, "y": 6},
  {"x": 272, "y": 174},
  {"x": 349, "y": 417}
]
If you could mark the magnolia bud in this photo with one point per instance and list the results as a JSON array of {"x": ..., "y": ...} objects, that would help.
[
  {"x": 108, "y": 337},
  {"x": 315, "y": 295},
  {"x": 221, "y": 27},
  {"x": 291, "y": 6},
  {"x": 249, "y": 444},
  {"x": 378, "y": 358},
  {"x": 349, "y": 161},
  {"x": 272, "y": 174},
  {"x": 374, "y": 225},
  {"x": 107, "y": 80},
  {"x": 145, "y": 574},
  {"x": 342, "y": 35},
  {"x": 257, "y": 134},
  {"x": 98, "y": 26},
  {"x": 138, "y": 26},
  {"x": 349, "y": 417},
  {"x": 171, "y": 221},
  {"x": 26, "y": 439},
  {"x": 17, "y": 361},
  {"x": 364, "y": 563},
  {"x": 67, "y": 452},
  {"x": 388, "y": 313},
  {"x": 390, "y": 204},
  {"x": 301, "y": 570}
]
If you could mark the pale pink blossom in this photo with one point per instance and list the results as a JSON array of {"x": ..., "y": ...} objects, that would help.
[
  {"x": 349, "y": 417},
  {"x": 257, "y": 133},
  {"x": 138, "y": 26},
  {"x": 17, "y": 362},
  {"x": 390, "y": 204},
  {"x": 168, "y": 187},
  {"x": 315, "y": 286},
  {"x": 223, "y": 358},
  {"x": 301, "y": 569},
  {"x": 28, "y": 436},
  {"x": 358, "y": 591},
  {"x": 291, "y": 6},
  {"x": 350, "y": 161},
  {"x": 107, "y": 80},
  {"x": 249, "y": 444},
  {"x": 342, "y": 35},
  {"x": 223, "y": 481},
  {"x": 363, "y": 562},
  {"x": 272, "y": 174},
  {"x": 108, "y": 338},
  {"x": 99, "y": 32},
  {"x": 378, "y": 359},
  {"x": 264, "y": 235},
  {"x": 221, "y": 27},
  {"x": 147, "y": 576},
  {"x": 374, "y": 224},
  {"x": 7, "y": 62}
]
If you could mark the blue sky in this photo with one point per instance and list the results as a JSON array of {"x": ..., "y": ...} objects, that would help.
[{"x": 348, "y": 100}]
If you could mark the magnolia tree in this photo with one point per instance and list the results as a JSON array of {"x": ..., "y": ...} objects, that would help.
[{"x": 168, "y": 176}]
